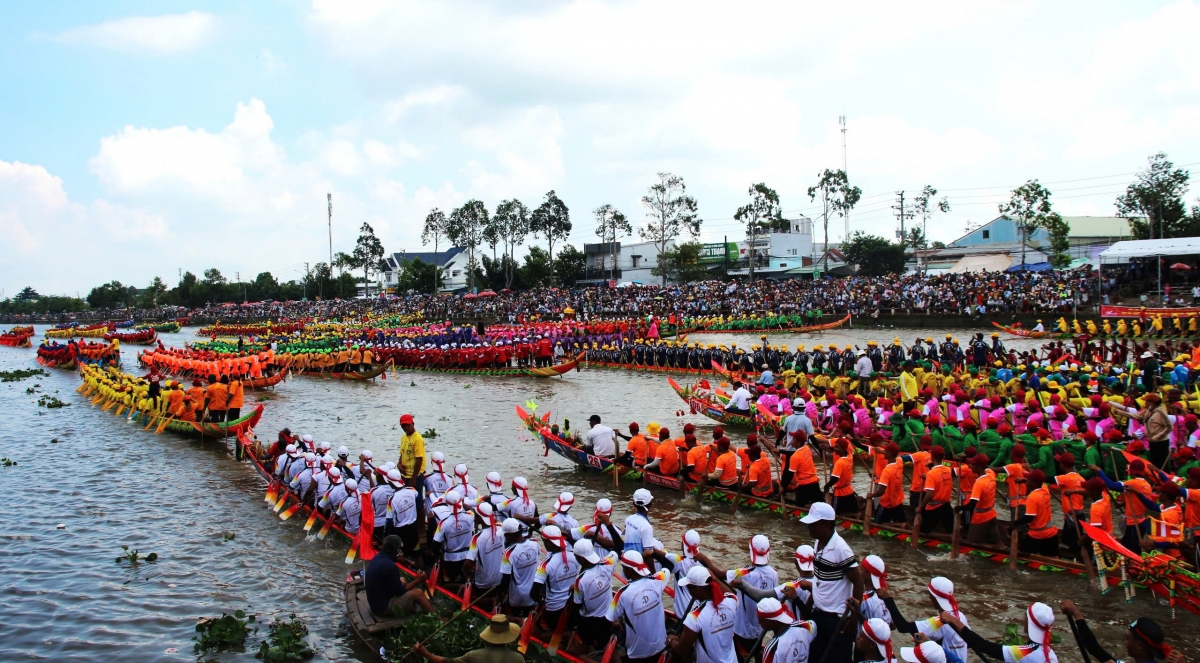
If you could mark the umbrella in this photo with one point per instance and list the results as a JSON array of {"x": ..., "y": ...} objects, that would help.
[
  {"x": 470, "y": 295},
  {"x": 1180, "y": 265},
  {"x": 487, "y": 293}
]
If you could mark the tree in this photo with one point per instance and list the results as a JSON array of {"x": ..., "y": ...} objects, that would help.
[
  {"x": 873, "y": 255},
  {"x": 670, "y": 212},
  {"x": 512, "y": 225},
  {"x": 417, "y": 275},
  {"x": 837, "y": 197},
  {"x": 682, "y": 265},
  {"x": 570, "y": 264},
  {"x": 213, "y": 277},
  {"x": 368, "y": 252},
  {"x": 551, "y": 220},
  {"x": 1153, "y": 205},
  {"x": 758, "y": 215},
  {"x": 465, "y": 229},
  {"x": 27, "y": 294},
  {"x": 611, "y": 224},
  {"x": 536, "y": 270},
  {"x": 434, "y": 230},
  {"x": 924, "y": 207},
  {"x": 914, "y": 237},
  {"x": 1029, "y": 207},
  {"x": 264, "y": 286},
  {"x": 109, "y": 295},
  {"x": 152, "y": 294}
]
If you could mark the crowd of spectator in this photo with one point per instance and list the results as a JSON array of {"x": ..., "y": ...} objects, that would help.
[{"x": 973, "y": 293}]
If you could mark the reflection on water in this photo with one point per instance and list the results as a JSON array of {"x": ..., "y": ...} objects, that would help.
[{"x": 112, "y": 484}]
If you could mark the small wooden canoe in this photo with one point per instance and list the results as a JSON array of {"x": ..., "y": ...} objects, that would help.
[
  {"x": 711, "y": 408},
  {"x": 369, "y": 628},
  {"x": 263, "y": 383},
  {"x": 349, "y": 375}
]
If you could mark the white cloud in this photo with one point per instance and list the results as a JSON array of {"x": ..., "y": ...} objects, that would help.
[
  {"x": 441, "y": 95},
  {"x": 271, "y": 61},
  {"x": 342, "y": 158},
  {"x": 172, "y": 33}
]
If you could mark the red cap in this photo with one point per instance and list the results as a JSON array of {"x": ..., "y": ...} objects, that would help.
[{"x": 406, "y": 419}]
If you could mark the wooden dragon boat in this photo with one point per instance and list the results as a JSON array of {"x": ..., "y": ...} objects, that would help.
[
  {"x": 17, "y": 338},
  {"x": 69, "y": 365},
  {"x": 163, "y": 422},
  {"x": 648, "y": 369},
  {"x": 350, "y": 375},
  {"x": 143, "y": 337},
  {"x": 712, "y": 408},
  {"x": 368, "y": 628},
  {"x": 776, "y": 330},
  {"x": 1150, "y": 572},
  {"x": 543, "y": 372},
  {"x": 263, "y": 383},
  {"x": 162, "y": 327},
  {"x": 91, "y": 331}
]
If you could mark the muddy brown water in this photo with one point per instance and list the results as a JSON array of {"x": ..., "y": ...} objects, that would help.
[{"x": 112, "y": 484}]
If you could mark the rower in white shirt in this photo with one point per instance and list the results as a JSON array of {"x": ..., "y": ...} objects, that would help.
[
  {"x": 601, "y": 440},
  {"x": 349, "y": 509},
  {"x": 791, "y": 639},
  {"x": 708, "y": 630},
  {"x": 739, "y": 400},
  {"x": 487, "y": 549},
  {"x": 592, "y": 593}
]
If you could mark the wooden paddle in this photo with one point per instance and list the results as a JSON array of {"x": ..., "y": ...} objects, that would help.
[
  {"x": 784, "y": 458},
  {"x": 956, "y": 533},
  {"x": 737, "y": 497},
  {"x": 559, "y": 629}
]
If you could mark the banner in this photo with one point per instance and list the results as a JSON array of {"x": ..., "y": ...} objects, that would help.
[{"x": 1138, "y": 312}]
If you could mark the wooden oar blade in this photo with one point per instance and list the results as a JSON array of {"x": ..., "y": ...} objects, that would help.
[
  {"x": 526, "y": 632},
  {"x": 279, "y": 504},
  {"x": 312, "y": 519},
  {"x": 351, "y": 554},
  {"x": 325, "y": 528},
  {"x": 609, "y": 650},
  {"x": 559, "y": 629},
  {"x": 290, "y": 511}
]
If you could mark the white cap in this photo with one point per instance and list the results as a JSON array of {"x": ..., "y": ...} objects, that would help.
[
  {"x": 388, "y": 466},
  {"x": 691, "y": 543},
  {"x": 290, "y": 449},
  {"x": 697, "y": 575},
  {"x": 310, "y": 457},
  {"x": 942, "y": 590},
  {"x": 437, "y": 457},
  {"x": 1039, "y": 619},
  {"x": 604, "y": 505},
  {"x": 770, "y": 608},
  {"x": 325, "y": 445},
  {"x": 633, "y": 559},
  {"x": 520, "y": 482},
  {"x": 585, "y": 550},
  {"x": 460, "y": 470},
  {"x": 930, "y": 652},
  {"x": 818, "y": 511},
  {"x": 343, "y": 451},
  {"x": 306, "y": 438},
  {"x": 394, "y": 476},
  {"x": 564, "y": 502},
  {"x": 493, "y": 479},
  {"x": 804, "y": 557},
  {"x": 880, "y": 633},
  {"x": 366, "y": 453},
  {"x": 511, "y": 526},
  {"x": 551, "y": 532},
  {"x": 351, "y": 484},
  {"x": 452, "y": 497},
  {"x": 484, "y": 508},
  {"x": 642, "y": 497},
  {"x": 327, "y": 459},
  {"x": 335, "y": 471},
  {"x": 760, "y": 549},
  {"x": 874, "y": 566}
]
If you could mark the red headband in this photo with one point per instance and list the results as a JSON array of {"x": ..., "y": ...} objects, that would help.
[
  {"x": 920, "y": 654},
  {"x": 1045, "y": 632},
  {"x": 886, "y": 644},
  {"x": 688, "y": 549},
  {"x": 1158, "y": 647},
  {"x": 942, "y": 595},
  {"x": 882, "y": 575},
  {"x": 783, "y": 610}
]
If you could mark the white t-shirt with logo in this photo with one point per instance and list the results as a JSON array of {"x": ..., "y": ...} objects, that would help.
[
  {"x": 487, "y": 549},
  {"x": 557, "y": 575},
  {"x": 521, "y": 561},
  {"x": 592, "y": 591},
  {"x": 714, "y": 628},
  {"x": 639, "y": 607},
  {"x": 761, "y": 577},
  {"x": 792, "y": 646}
]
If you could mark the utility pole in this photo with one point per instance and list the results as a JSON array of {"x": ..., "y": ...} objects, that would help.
[
  {"x": 901, "y": 213},
  {"x": 753, "y": 233},
  {"x": 329, "y": 201},
  {"x": 842, "y": 121},
  {"x": 180, "y": 274},
  {"x": 304, "y": 283}
]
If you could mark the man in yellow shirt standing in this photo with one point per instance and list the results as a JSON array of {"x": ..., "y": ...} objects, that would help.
[{"x": 412, "y": 463}]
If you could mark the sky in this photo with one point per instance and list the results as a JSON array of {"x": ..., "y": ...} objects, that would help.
[{"x": 142, "y": 139}]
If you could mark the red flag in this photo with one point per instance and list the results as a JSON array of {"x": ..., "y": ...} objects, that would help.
[
  {"x": 1105, "y": 539},
  {"x": 366, "y": 528}
]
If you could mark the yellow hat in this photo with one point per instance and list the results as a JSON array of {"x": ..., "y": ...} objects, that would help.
[
  {"x": 896, "y": 340},
  {"x": 929, "y": 339},
  {"x": 800, "y": 348},
  {"x": 995, "y": 335},
  {"x": 872, "y": 343},
  {"x": 948, "y": 336},
  {"x": 652, "y": 428},
  {"x": 955, "y": 341},
  {"x": 817, "y": 347}
]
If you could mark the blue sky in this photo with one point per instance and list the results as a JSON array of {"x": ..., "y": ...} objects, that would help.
[{"x": 139, "y": 138}]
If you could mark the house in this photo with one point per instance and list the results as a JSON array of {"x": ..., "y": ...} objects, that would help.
[
  {"x": 452, "y": 262},
  {"x": 991, "y": 256},
  {"x": 785, "y": 246},
  {"x": 621, "y": 262},
  {"x": 1088, "y": 235}
]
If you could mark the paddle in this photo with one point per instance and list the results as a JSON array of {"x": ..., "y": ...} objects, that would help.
[
  {"x": 559, "y": 629},
  {"x": 608, "y": 651},
  {"x": 312, "y": 519},
  {"x": 955, "y": 535},
  {"x": 784, "y": 458},
  {"x": 737, "y": 497},
  {"x": 1078, "y": 639},
  {"x": 916, "y": 528},
  {"x": 527, "y": 630},
  {"x": 1086, "y": 554},
  {"x": 433, "y": 578}
]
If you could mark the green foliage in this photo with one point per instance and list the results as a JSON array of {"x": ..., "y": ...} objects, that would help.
[
  {"x": 874, "y": 255},
  {"x": 51, "y": 402},
  {"x": 417, "y": 276},
  {"x": 535, "y": 273},
  {"x": 7, "y": 462},
  {"x": 368, "y": 252},
  {"x": 1153, "y": 205},
  {"x": 21, "y": 374},
  {"x": 223, "y": 632},
  {"x": 465, "y": 229},
  {"x": 456, "y": 639},
  {"x": 570, "y": 265},
  {"x": 837, "y": 197},
  {"x": 552, "y": 221},
  {"x": 1030, "y": 208},
  {"x": 511, "y": 224},
  {"x": 762, "y": 209},
  {"x": 133, "y": 557},
  {"x": 42, "y": 304},
  {"x": 27, "y": 294},
  {"x": 681, "y": 265},
  {"x": 429, "y": 433},
  {"x": 109, "y": 295},
  {"x": 286, "y": 642}
]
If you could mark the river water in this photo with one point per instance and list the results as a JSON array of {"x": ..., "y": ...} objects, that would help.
[{"x": 110, "y": 483}]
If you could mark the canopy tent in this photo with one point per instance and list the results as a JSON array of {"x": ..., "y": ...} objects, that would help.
[
  {"x": 990, "y": 262},
  {"x": 1031, "y": 267},
  {"x": 1152, "y": 248}
]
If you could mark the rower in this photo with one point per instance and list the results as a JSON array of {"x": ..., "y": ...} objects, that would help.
[
  {"x": 941, "y": 595},
  {"x": 304, "y": 480},
  {"x": 381, "y": 498},
  {"x": 520, "y": 505},
  {"x": 365, "y": 468},
  {"x": 1039, "y": 618},
  {"x": 935, "y": 507},
  {"x": 332, "y": 498},
  {"x": 924, "y": 652},
  {"x": 639, "y": 533},
  {"x": 462, "y": 483},
  {"x": 1042, "y": 536},
  {"x": 709, "y": 629},
  {"x": 495, "y": 485},
  {"x": 560, "y": 517},
  {"x": 758, "y": 575},
  {"x": 1144, "y": 641},
  {"x": 387, "y": 594},
  {"x": 837, "y": 578},
  {"x": 349, "y": 510},
  {"x": 681, "y": 564},
  {"x": 604, "y": 535},
  {"x": 638, "y": 607},
  {"x": 845, "y": 500},
  {"x": 486, "y": 550},
  {"x": 874, "y": 642},
  {"x": 518, "y": 566},
  {"x": 284, "y": 463},
  {"x": 592, "y": 595},
  {"x": 726, "y": 472},
  {"x": 322, "y": 480},
  {"x": 982, "y": 505},
  {"x": 600, "y": 439},
  {"x": 790, "y": 639},
  {"x": 872, "y": 603},
  {"x": 889, "y": 488},
  {"x": 555, "y": 576},
  {"x": 1137, "y": 525},
  {"x": 452, "y": 539},
  {"x": 801, "y": 473},
  {"x": 437, "y": 482}
]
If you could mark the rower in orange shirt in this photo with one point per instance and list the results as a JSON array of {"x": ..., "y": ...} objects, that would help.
[
  {"x": 236, "y": 399},
  {"x": 668, "y": 458},
  {"x": 935, "y": 507},
  {"x": 841, "y": 479},
  {"x": 889, "y": 487},
  {"x": 982, "y": 504},
  {"x": 759, "y": 477},
  {"x": 920, "y": 464},
  {"x": 1042, "y": 536},
  {"x": 196, "y": 393},
  {"x": 636, "y": 446},
  {"x": 726, "y": 471},
  {"x": 217, "y": 399},
  {"x": 1016, "y": 479},
  {"x": 697, "y": 458}
]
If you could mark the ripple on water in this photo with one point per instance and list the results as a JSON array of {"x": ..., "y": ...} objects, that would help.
[{"x": 113, "y": 484}]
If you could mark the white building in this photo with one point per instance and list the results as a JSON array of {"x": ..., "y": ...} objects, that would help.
[
  {"x": 785, "y": 246},
  {"x": 452, "y": 261},
  {"x": 622, "y": 262}
]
